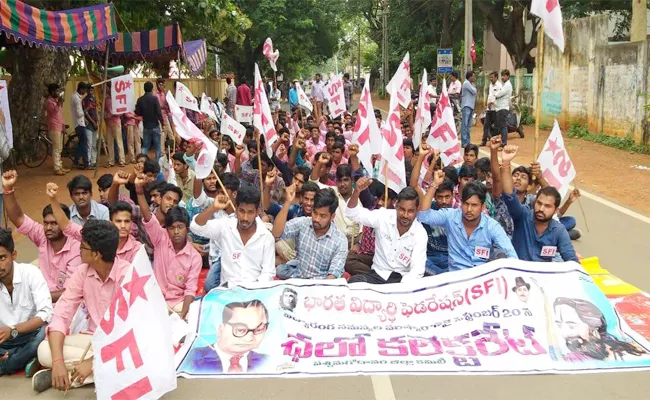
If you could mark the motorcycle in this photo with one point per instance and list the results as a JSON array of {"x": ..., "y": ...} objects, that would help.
[{"x": 513, "y": 122}]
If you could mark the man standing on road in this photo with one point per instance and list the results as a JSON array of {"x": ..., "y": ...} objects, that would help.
[
  {"x": 90, "y": 111},
  {"x": 53, "y": 108},
  {"x": 149, "y": 108},
  {"x": 231, "y": 97},
  {"x": 243, "y": 94},
  {"x": 433, "y": 95},
  {"x": 293, "y": 96},
  {"x": 347, "y": 90},
  {"x": 503, "y": 106},
  {"x": 317, "y": 95},
  {"x": 490, "y": 113},
  {"x": 77, "y": 112},
  {"x": 454, "y": 90},
  {"x": 113, "y": 131},
  {"x": 165, "y": 126},
  {"x": 467, "y": 107}
]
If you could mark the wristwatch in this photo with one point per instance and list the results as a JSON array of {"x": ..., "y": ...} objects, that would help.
[{"x": 13, "y": 332}]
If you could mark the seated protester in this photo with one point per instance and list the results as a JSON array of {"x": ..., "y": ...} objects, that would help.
[
  {"x": 193, "y": 148},
  {"x": 176, "y": 263},
  {"x": 470, "y": 154},
  {"x": 314, "y": 144},
  {"x": 401, "y": 241},
  {"x": 247, "y": 246},
  {"x": 298, "y": 152},
  {"x": 58, "y": 254},
  {"x": 466, "y": 174},
  {"x": 483, "y": 170},
  {"x": 184, "y": 176},
  {"x": 228, "y": 148},
  {"x": 150, "y": 168},
  {"x": 409, "y": 150},
  {"x": 280, "y": 159},
  {"x": 93, "y": 283},
  {"x": 471, "y": 234},
  {"x": 250, "y": 173},
  {"x": 243, "y": 163},
  {"x": 360, "y": 257},
  {"x": 321, "y": 248},
  {"x": 537, "y": 237},
  {"x": 162, "y": 196},
  {"x": 26, "y": 308},
  {"x": 104, "y": 184},
  {"x": 337, "y": 156},
  {"x": 300, "y": 176},
  {"x": 330, "y": 139},
  {"x": 84, "y": 207},
  {"x": 452, "y": 174},
  {"x": 522, "y": 178},
  {"x": 120, "y": 214},
  {"x": 221, "y": 163},
  {"x": 320, "y": 172}
]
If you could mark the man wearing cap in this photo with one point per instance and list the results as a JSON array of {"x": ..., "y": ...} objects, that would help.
[
  {"x": 53, "y": 110},
  {"x": 521, "y": 289}
]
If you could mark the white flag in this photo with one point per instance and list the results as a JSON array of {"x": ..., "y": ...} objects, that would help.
[
  {"x": 206, "y": 109},
  {"x": 244, "y": 113},
  {"x": 549, "y": 11},
  {"x": 262, "y": 118},
  {"x": 303, "y": 99},
  {"x": 233, "y": 129},
  {"x": 187, "y": 130},
  {"x": 401, "y": 82},
  {"x": 443, "y": 136},
  {"x": 423, "y": 115},
  {"x": 185, "y": 98},
  {"x": 366, "y": 131},
  {"x": 122, "y": 94},
  {"x": 335, "y": 96},
  {"x": 4, "y": 107},
  {"x": 270, "y": 55},
  {"x": 133, "y": 347},
  {"x": 554, "y": 161},
  {"x": 392, "y": 171}
]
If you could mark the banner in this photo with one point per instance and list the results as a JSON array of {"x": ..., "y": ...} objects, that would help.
[
  {"x": 187, "y": 130},
  {"x": 443, "y": 135},
  {"x": 335, "y": 96},
  {"x": 392, "y": 171},
  {"x": 557, "y": 168},
  {"x": 504, "y": 317},
  {"x": 185, "y": 98},
  {"x": 262, "y": 118},
  {"x": 549, "y": 11},
  {"x": 244, "y": 114},
  {"x": 206, "y": 109},
  {"x": 303, "y": 99},
  {"x": 401, "y": 81},
  {"x": 270, "y": 54},
  {"x": 122, "y": 94},
  {"x": 423, "y": 114},
  {"x": 366, "y": 131},
  {"x": 133, "y": 346},
  {"x": 233, "y": 129},
  {"x": 4, "y": 108}
]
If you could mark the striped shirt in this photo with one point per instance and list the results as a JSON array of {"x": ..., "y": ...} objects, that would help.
[{"x": 317, "y": 256}]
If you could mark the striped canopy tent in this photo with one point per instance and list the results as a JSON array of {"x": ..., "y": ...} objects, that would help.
[
  {"x": 157, "y": 44},
  {"x": 196, "y": 55},
  {"x": 78, "y": 28}
]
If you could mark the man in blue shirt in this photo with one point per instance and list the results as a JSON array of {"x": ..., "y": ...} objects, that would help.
[
  {"x": 471, "y": 235},
  {"x": 537, "y": 236},
  {"x": 293, "y": 96},
  {"x": 467, "y": 104}
]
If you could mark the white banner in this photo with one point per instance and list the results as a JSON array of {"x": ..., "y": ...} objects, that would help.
[
  {"x": 443, "y": 136},
  {"x": 554, "y": 161},
  {"x": 233, "y": 129},
  {"x": 335, "y": 96},
  {"x": 134, "y": 355},
  {"x": 4, "y": 107},
  {"x": 303, "y": 99},
  {"x": 185, "y": 98},
  {"x": 392, "y": 171},
  {"x": 270, "y": 54},
  {"x": 549, "y": 11},
  {"x": 401, "y": 82},
  {"x": 187, "y": 130},
  {"x": 504, "y": 317},
  {"x": 262, "y": 118},
  {"x": 423, "y": 114},
  {"x": 244, "y": 114},
  {"x": 206, "y": 109},
  {"x": 122, "y": 94}
]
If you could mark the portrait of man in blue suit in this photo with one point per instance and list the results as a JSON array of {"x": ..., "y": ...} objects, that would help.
[{"x": 242, "y": 330}]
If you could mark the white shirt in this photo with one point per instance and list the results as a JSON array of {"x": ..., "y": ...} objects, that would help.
[
  {"x": 492, "y": 91},
  {"x": 30, "y": 298},
  {"x": 225, "y": 360},
  {"x": 455, "y": 87},
  {"x": 503, "y": 96},
  {"x": 77, "y": 111},
  {"x": 252, "y": 262},
  {"x": 433, "y": 91},
  {"x": 406, "y": 254}
]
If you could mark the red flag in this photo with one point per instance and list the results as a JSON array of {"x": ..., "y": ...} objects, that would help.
[{"x": 472, "y": 51}]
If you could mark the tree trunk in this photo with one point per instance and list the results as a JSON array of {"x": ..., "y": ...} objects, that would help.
[
  {"x": 33, "y": 70},
  {"x": 446, "y": 34}
]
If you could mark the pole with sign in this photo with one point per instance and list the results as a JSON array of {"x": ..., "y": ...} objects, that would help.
[{"x": 445, "y": 61}]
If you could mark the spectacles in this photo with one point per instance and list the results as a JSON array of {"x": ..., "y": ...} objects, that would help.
[{"x": 241, "y": 330}]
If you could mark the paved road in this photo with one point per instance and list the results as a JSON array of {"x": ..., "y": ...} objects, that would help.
[{"x": 618, "y": 238}]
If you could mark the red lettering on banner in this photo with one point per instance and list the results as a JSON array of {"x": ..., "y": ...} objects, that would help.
[
  {"x": 134, "y": 391},
  {"x": 335, "y": 99},
  {"x": 551, "y": 178},
  {"x": 451, "y": 151},
  {"x": 565, "y": 164},
  {"x": 406, "y": 85},
  {"x": 118, "y": 307},
  {"x": 440, "y": 132},
  {"x": 121, "y": 98},
  {"x": 116, "y": 349}
]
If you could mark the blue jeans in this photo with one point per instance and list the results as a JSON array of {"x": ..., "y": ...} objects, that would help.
[
  {"x": 436, "y": 264},
  {"x": 82, "y": 147},
  {"x": 568, "y": 222},
  {"x": 287, "y": 271},
  {"x": 21, "y": 350},
  {"x": 466, "y": 125},
  {"x": 214, "y": 276},
  {"x": 151, "y": 138}
]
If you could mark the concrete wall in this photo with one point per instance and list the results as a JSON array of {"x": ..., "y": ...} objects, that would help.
[{"x": 595, "y": 83}]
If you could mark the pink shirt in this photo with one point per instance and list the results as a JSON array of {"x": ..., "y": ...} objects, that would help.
[
  {"x": 162, "y": 99},
  {"x": 56, "y": 267},
  {"x": 313, "y": 148},
  {"x": 54, "y": 112},
  {"x": 126, "y": 253},
  {"x": 176, "y": 273},
  {"x": 110, "y": 118},
  {"x": 231, "y": 161},
  {"x": 130, "y": 119},
  {"x": 344, "y": 160},
  {"x": 86, "y": 285}
]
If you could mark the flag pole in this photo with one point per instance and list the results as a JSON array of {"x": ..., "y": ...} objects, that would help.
[
  {"x": 100, "y": 121},
  {"x": 386, "y": 185},
  {"x": 259, "y": 167},
  {"x": 223, "y": 188},
  {"x": 539, "y": 63}
]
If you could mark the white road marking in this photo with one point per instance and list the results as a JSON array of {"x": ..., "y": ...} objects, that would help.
[{"x": 382, "y": 387}]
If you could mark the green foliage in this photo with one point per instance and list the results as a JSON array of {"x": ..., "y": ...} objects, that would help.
[
  {"x": 627, "y": 143},
  {"x": 527, "y": 116}
]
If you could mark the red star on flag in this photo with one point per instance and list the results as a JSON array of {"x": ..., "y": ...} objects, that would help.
[
  {"x": 552, "y": 146},
  {"x": 136, "y": 287},
  {"x": 550, "y": 5}
]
